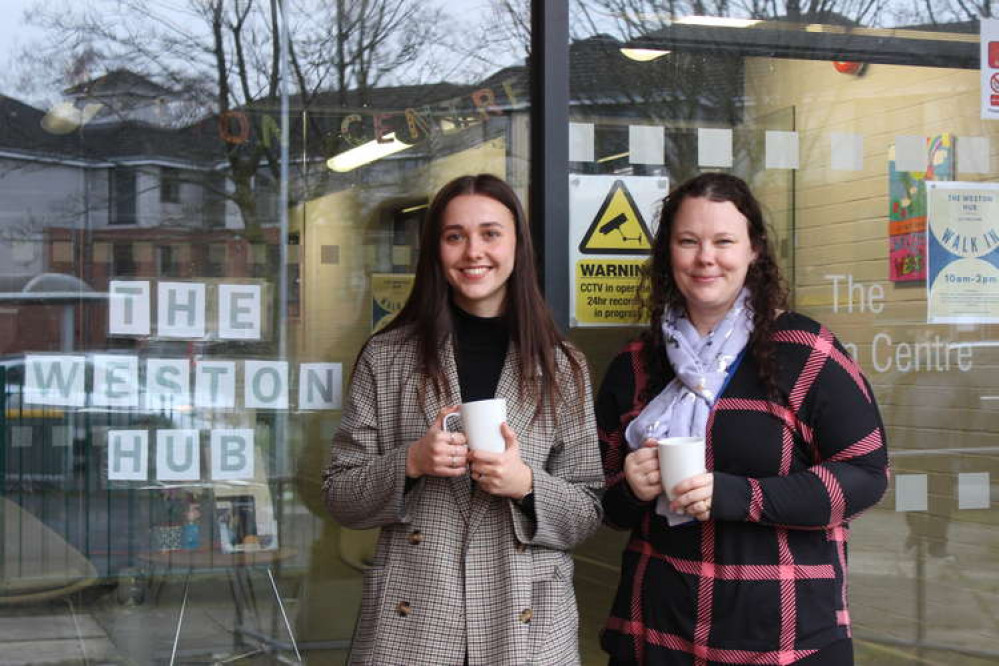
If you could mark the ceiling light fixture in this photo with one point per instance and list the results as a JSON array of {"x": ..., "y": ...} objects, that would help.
[
  {"x": 642, "y": 55},
  {"x": 365, "y": 154},
  {"x": 717, "y": 21}
]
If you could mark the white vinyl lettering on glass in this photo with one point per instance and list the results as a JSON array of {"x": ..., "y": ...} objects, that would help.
[
  {"x": 847, "y": 151},
  {"x": 910, "y": 492},
  {"x": 714, "y": 147},
  {"x": 974, "y": 490}
]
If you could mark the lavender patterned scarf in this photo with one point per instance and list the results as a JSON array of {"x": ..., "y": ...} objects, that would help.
[{"x": 701, "y": 365}]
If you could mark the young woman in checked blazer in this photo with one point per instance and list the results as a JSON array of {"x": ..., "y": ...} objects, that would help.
[
  {"x": 747, "y": 565},
  {"x": 472, "y": 564}
]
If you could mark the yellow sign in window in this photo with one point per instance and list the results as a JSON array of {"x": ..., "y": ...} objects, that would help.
[
  {"x": 606, "y": 291},
  {"x": 618, "y": 226}
]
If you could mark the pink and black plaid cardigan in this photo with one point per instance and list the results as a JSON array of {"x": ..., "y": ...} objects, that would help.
[{"x": 763, "y": 581}]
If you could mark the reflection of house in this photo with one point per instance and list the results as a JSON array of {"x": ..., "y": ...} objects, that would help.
[
  {"x": 114, "y": 184},
  {"x": 124, "y": 96},
  {"x": 118, "y": 192}
]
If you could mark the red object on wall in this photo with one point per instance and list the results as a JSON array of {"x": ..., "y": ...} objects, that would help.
[{"x": 847, "y": 66}]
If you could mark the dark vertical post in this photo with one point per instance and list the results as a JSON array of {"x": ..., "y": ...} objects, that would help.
[{"x": 549, "y": 198}]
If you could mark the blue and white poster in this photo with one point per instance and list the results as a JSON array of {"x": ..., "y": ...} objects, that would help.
[{"x": 962, "y": 242}]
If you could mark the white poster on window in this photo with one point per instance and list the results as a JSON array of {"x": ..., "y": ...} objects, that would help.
[
  {"x": 116, "y": 381},
  {"x": 128, "y": 455},
  {"x": 178, "y": 455},
  {"x": 128, "y": 307},
  {"x": 232, "y": 454},
  {"x": 265, "y": 384},
  {"x": 180, "y": 310},
  {"x": 239, "y": 311},
  {"x": 55, "y": 379},
  {"x": 962, "y": 251},
  {"x": 168, "y": 383},
  {"x": 215, "y": 384},
  {"x": 319, "y": 385}
]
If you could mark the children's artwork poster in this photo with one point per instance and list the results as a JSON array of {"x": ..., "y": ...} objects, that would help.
[
  {"x": 907, "y": 214},
  {"x": 389, "y": 292},
  {"x": 963, "y": 253}
]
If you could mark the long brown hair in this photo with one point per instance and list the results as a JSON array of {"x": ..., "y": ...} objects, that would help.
[
  {"x": 763, "y": 279},
  {"x": 530, "y": 323}
]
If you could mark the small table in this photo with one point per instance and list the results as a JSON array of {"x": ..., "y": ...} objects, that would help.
[{"x": 237, "y": 567}]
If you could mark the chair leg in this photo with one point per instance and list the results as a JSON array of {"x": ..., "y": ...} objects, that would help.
[
  {"x": 287, "y": 624},
  {"x": 79, "y": 634},
  {"x": 180, "y": 618}
]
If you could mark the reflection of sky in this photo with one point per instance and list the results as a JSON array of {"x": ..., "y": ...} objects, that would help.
[
  {"x": 16, "y": 34},
  {"x": 13, "y": 33}
]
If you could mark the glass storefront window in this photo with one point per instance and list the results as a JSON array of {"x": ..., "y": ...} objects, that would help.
[
  {"x": 205, "y": 209},
  {"x": 840, "y": 120}
]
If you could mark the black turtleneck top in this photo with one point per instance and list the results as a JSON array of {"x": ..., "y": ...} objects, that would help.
[{"x": 480, "y": 345}]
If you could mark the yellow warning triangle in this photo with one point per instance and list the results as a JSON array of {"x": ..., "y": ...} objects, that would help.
[{"x": 618, "y": 227}]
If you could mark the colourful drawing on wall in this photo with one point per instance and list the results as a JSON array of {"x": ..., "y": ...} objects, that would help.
[{"x": 907, "y": 214}]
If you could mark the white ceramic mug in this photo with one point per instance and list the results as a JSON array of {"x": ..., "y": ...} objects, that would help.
[
  {"x": 481, "y": 421},
  {"x": 680, "y": 458}
]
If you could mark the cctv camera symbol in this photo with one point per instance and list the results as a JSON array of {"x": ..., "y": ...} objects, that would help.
[{"x": 615, "y": 224}]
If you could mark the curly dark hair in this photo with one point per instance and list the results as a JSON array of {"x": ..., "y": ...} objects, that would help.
[{"x": 658, "y": 289}]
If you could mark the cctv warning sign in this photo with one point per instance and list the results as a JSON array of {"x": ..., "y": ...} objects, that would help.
[
  {"x": 618, "y": 227},
  {"x": 611, "y": 224},
  {"x": 607, "y": 290}
]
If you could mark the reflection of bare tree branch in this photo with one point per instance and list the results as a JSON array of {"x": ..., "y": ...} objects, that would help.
[{"x": 223, "y": 57}]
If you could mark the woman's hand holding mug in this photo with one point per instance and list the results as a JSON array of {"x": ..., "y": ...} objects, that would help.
[
  {"x": 641, "y": 471},
  {"x": 503, "y": 474},
  {"x": 693, "y": 496},
  {"x": 438, "y": 452}
]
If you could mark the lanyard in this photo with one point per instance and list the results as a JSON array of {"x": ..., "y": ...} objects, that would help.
[{"x": 731, "y": 371}]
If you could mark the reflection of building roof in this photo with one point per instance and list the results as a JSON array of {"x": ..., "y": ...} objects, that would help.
[
  {"x": 389, "y": 97},
  {"x": 21, "y": 130},
  {"x": 118, "y": 82},
  {"x": 133, "y": 140},
  {"x": 602, "y": 78}
]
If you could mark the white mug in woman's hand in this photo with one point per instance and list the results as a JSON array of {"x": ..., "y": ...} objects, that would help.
[
  {"x": 680, "y": 458},
  {"x": 481, "y": 420}
]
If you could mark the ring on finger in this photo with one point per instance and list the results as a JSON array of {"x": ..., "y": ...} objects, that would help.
[
  {"x": 454, "y": 461},
  {"x": 451, "y": 438}
]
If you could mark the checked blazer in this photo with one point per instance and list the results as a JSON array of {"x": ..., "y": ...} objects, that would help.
[
  {"x": 763, "y": 581},
  {"x": 458, "y": 571}
]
